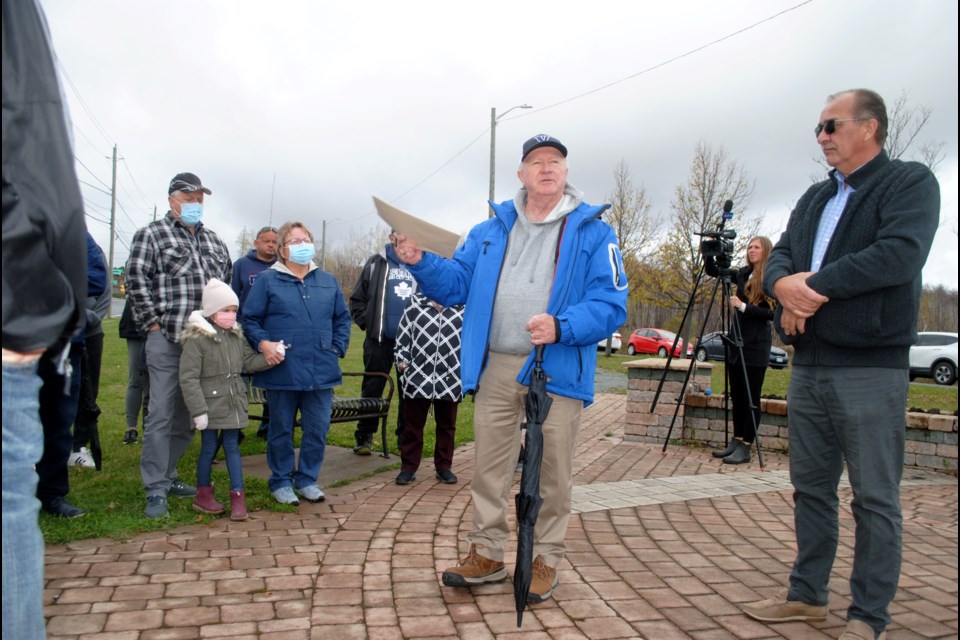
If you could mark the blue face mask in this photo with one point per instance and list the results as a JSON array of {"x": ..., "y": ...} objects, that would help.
[
  {"x": 191, "y": 213},
  {"x": 302, "y": 253}
]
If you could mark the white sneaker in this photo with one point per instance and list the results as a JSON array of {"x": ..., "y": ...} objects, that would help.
[
  {"x": 312, "y": 493},
  {"x": 81, "y": 458}
]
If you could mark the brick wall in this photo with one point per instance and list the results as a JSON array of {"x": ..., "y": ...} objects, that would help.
[{"x": 931, "y": 440}]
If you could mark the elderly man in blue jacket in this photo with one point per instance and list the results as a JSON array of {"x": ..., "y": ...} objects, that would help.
[{"x": 545, "y": 270}]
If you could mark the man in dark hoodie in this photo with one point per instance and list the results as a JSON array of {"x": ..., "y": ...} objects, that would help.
[
  {"x": 257, "y": 260},
  {"x": 379, "y": 299},
  {"x": 245, "y": 271},
  {"x": 847, "y": 275}
]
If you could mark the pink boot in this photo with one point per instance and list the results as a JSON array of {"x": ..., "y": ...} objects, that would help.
[
  {"x": 238, "y": 506},
  {"x": 204, "y": 502}
]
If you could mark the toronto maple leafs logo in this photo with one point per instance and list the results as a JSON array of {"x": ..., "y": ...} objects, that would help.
[{"x": 403, "y": 290}]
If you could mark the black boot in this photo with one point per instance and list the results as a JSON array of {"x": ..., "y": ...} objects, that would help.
[
  {"x": 740, "y": 456},
  {"x": 723, "y": 453}
]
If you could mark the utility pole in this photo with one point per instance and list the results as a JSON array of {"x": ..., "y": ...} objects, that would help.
[
  {"x": 272, "y": 190},
  {"x": 113, "y": 227},
  {"x": 323, "y": 247},
  {"x": 493, "y": 145},
  {"x": 493, "y": 155}
]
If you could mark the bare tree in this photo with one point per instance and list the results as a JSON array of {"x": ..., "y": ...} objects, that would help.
[
  {"x": 630, "y": 215},
  {"x": 346, "y": 259},
  {"x": 633, "y": 221},
  {"x": 245, "y": 241},
  {"x": 714, "y": 178}
]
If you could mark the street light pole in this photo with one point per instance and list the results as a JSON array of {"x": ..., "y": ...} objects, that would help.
[{"x": 493, "y": 144}]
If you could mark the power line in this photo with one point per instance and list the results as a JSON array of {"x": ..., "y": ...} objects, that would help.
[
  {"x": 135, "y": 183},
  {"x": 610, "y": 84},
  {"x": 93, "y": 186},
  {"x": 83, "y": 104},
  {"x": 91, "y": 172},
  {"x": 665, "y": 62}
]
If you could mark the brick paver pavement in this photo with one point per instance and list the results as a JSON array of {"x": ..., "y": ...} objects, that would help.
[{"x": 660, "y": 547}]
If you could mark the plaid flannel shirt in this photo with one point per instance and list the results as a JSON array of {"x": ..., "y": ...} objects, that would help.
[{"x": 167, "y": 270}]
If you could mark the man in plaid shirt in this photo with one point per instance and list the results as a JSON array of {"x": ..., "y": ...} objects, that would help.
[{"x": 170, "y": 261}]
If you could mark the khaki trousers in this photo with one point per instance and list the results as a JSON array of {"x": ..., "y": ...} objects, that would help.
[{"x": 498, "y": 413}]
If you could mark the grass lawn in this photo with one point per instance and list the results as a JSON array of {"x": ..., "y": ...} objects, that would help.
[{"x": 113, "y": 498}]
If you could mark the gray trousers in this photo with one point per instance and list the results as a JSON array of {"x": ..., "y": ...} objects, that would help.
[
  {"x": 856, "y": 415},
  {"x": 167, "y": 430}
]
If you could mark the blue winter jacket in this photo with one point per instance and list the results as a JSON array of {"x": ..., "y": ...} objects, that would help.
[
  {"x": 309, "y": 316},
  {"x": 588, "y": 296}
]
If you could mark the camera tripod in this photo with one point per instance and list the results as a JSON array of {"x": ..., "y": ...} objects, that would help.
[{"x": 732, "y": 338}]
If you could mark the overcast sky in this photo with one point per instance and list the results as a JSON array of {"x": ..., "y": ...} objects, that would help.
[{"x": 310, "y": 108}]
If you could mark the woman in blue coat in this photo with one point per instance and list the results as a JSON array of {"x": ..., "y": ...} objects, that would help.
[{"x": 297, "y": 316}]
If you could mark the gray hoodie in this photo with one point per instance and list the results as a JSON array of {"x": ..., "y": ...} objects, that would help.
[{"x": 527, "y": 273}]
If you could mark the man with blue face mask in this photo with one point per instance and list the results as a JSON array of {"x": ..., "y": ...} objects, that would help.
[{"x": 170, "y": 261}]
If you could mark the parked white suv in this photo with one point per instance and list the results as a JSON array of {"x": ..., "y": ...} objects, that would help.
[{"x": 934, "y": 356}]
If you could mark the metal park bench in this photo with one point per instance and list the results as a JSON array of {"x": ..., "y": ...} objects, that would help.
[{"x": 344, "y": 409}]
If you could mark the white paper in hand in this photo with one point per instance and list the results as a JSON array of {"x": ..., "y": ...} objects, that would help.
[{"x": 428, "y": 236}]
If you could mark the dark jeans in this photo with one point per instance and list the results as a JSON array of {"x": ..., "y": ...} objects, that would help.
[
  {"x": 410, "y": 439},
  {"x": 88, "y": 411},
  {"x": 853, "y": 415},
  {"x": 377, "y": 356},
  {"x": 209, "y": 439},
  {"x": 59, "y": 397}
]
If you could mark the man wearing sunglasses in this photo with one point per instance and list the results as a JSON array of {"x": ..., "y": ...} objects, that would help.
[{"x": 846, "y": 273}]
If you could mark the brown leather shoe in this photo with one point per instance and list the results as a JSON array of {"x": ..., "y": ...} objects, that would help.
[
  {"x": 860, "y": 630},
  {"x": 782, "y": 610},
  {"x": 543, "y": 582},
  {"x": 474, "y": 570}
]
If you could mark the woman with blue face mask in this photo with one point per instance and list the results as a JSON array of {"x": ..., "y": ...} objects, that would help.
[{"x": 297, "y": 316}]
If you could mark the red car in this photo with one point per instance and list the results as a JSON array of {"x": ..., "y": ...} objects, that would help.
[{"x": 656, "y": 341}]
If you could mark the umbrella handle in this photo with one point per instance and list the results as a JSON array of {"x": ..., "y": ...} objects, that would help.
[{"x": 538, "y": 354}]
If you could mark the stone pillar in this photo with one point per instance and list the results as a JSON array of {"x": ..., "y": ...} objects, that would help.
[{"x": 643, "y": 378}]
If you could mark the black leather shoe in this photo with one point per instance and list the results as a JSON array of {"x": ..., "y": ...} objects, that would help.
[
  {"x": 723, "y": 453},
  {"x": 60, "y": 508},
  {"x": 446, "y": 477},
  {"x": 405, "y": 477},
  {"x": 740, "y": 456},
  {"x": 130, "y": 437}
]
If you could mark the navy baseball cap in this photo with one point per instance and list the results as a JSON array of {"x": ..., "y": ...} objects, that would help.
[
  {"x": 188, "y": 183},
  {"x": 542, "y": 140}
]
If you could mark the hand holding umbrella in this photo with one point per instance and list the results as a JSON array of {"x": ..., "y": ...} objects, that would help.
[{"x": 528, "y": 500}]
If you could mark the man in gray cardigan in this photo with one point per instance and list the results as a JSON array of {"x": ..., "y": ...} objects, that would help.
[{"x": 846, "y": 273}]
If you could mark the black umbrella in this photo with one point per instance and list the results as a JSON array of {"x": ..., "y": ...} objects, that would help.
[{"x": 529, "y": 500}]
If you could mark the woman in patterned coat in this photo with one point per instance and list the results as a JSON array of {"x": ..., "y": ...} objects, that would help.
[{"x": 428, "y": 359}]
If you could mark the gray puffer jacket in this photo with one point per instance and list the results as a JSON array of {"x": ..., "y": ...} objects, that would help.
[{"x": 210, "y": 368}]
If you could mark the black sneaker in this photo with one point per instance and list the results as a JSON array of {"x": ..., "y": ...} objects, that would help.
[
  {"x": 446, "y": 477},
  {"x": 405, "y": 477},
  {"x": 156, "y": 507},
  {"x": 364, "y": 446},
  {"x": 180, "y": 489},
  {"x": 130, "y": 437},
  {"x": 60, "y": 508}
]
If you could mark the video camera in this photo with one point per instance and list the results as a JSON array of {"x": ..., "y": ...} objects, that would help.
[{"x": 719, "y": 244}]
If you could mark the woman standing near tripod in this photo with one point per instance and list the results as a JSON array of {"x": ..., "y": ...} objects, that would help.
[{"x": 754, "y": 312}]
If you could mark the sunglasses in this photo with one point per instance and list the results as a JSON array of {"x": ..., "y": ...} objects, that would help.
[{"x": 830, "y": 125}]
